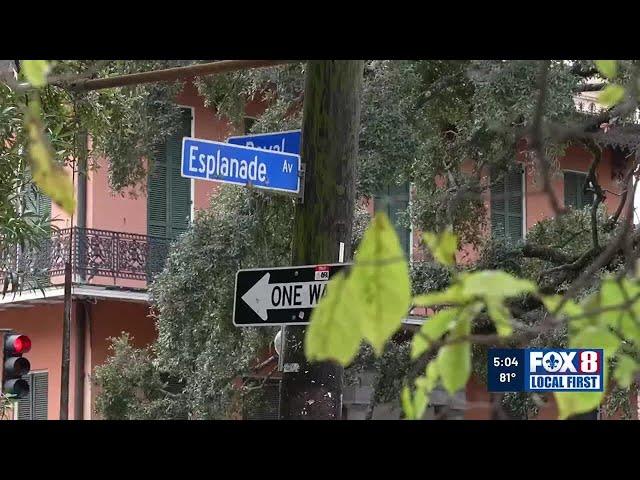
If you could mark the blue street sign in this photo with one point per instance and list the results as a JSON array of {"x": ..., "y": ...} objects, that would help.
[
  {"x": 225, "y": 163},
  {"x": 279, "y": 142}
]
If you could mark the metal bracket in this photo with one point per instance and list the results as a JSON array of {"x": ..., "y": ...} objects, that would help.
[{"x": 301, "y": 174}]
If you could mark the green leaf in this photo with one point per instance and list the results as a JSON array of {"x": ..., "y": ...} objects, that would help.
[
  {"x": 608, "y": 68},
  {"x": 454, "y": 360},
  {"x": 500, "y": 315},
  {"x": 420, "y": 402},
  {"x": 380, "y": 281},
  {"x": 593, "y": 336},
  {"x": 333, "y": 332},
  {"x": 451, "y": 295},
  {"x": 415, "y": 405},
  {"x": 443, "y": 246},
  {"x": 51, "y": 178},
  {"x": 625, "y": 295},
  {"x": 569, "y": 308},
  {"x": 494, "y": 283},
  {"x": 611, "y": 95},
  {"x": 407, "y": 403},
  {"x": 369, "y": 303},
  {"x": 625, "y": 370},
  {"x": 574, "y": 403},
  {"x": 430, "y": 379},
  {"x": 432, "y": 329},
  {"x": 35, "y": 71}
]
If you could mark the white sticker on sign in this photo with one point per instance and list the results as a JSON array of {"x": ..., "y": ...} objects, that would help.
[
  {"x": 322, "y": 273},
  {"x": 291, "y": 367}
]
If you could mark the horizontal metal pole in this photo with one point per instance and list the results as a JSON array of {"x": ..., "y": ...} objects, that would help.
[{"x": 171, "y": 74}]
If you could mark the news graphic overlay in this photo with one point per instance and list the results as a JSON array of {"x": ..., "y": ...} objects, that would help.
[
  {"x": 568, "y": 370},
  {"x": 505, "y": 370},
  {"x": 545, "y": 370}
]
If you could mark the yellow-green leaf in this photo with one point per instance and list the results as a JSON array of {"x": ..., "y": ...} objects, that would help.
[
  {"x": 621, "y": 303},
  {"x": 454, "y": 360},
  {"x": 333, "y": 332},
  {"x": 593, "y": 336},
  {"x": 407, "y": 403},
  {"x": 414, "y": 405},
  {"x": 451, "y": 295},
  {"x": 500, "y": 315},
  {"x": 494, "y": 283},
  {"x": 35, "y": 71},
  {"x": 430, "y": 379},
  {"x": 50, "y": 178},
  {"x": 380, "y": 280},
  {"x": 608, "y": 68},
  {"x": 432, "y": 329},
  {"x": 443, "y": 246},
  {"x": 569, "y": 308},
  {"x": 611, "y": 95},
  {"x": 626, "y": 368},
  {"x": 574, "y": 403}
]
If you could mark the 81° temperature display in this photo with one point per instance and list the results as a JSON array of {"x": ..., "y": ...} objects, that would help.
[{"x": 505, "y": 370}]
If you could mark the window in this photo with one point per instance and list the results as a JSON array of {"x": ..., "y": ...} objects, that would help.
[
  {"x": 574, "y": 190},
  {"x": 506, "y": 206},
  {"x": 35, "y": 200},
  {"x": 394, "y": 201},
  {"x": 35, "y": 405},
  {"x": 168, "y": 193}
]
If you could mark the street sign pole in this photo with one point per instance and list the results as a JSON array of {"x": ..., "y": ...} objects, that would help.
[{"x": 330, "y": 131}]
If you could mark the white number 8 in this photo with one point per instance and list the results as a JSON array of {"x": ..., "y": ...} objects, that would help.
[{"x": 589, "y": 362}]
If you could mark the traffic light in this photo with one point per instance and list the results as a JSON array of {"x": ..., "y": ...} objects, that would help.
[{"x": 14, "y": 365}]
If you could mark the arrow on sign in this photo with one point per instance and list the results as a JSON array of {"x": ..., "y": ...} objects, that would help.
[{"x": 264, "y": 296}]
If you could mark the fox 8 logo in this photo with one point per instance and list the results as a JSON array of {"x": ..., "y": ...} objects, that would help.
[{"x": 565, "y": 362}]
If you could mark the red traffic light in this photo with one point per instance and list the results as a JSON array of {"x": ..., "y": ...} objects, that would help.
[{"x": 17, "y": 344}]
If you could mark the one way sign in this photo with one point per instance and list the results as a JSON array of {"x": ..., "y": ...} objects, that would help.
[{"x": 280, "y": 296}]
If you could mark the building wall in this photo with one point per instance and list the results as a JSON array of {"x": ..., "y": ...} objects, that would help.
[
  {"x": 106, "y": 318},
  {"x": 575, "y": 159},
  {"x": 43, "y": 325},
  {"x": 109, "y": 319}
]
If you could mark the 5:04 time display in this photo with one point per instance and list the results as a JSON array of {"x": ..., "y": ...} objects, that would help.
[{"x": 505, "y": 362}]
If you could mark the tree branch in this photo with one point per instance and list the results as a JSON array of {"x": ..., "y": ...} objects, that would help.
[
  {"x": 550, "y": 254},
  {"x": 537, "y": 140}
]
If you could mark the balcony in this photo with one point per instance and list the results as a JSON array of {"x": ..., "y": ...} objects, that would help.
[{"x": 98, "y": 257}]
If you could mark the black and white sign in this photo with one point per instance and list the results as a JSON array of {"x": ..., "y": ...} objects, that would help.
[{"x": 280, "y": 296}]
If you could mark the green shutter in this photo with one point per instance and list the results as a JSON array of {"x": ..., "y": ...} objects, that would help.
[
  {"x": 179, "y": 187},
  {"x": 35, "y": 405},
  {"x": 35, "y": 200},
  {"x": 574, "y": 190},
  {"x": 157, "y": 187},
  {"x": 394, "y": 201},
  {"x": 169, "y": 194},
  {"x": 506, "y": 207}
]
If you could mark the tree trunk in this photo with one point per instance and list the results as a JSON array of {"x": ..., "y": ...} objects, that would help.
[{"x": 330, "y": 132}]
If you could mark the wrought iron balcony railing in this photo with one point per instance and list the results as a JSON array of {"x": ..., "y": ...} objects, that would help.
[{"x": 94, "y": 254}]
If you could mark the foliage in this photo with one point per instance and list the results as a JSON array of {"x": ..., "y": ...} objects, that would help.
[
  {"x": 422, "y": 121},
  {"x": 193, "y": 301},
  {"x": 44, "y": 118},
  {"x": 131, "y": 386},
  {"x": 376, "y": 267},
  {"x": 604, "y": 319}
]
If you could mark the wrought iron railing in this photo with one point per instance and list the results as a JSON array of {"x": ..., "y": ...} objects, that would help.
[{"x": 94, "y": 253}]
